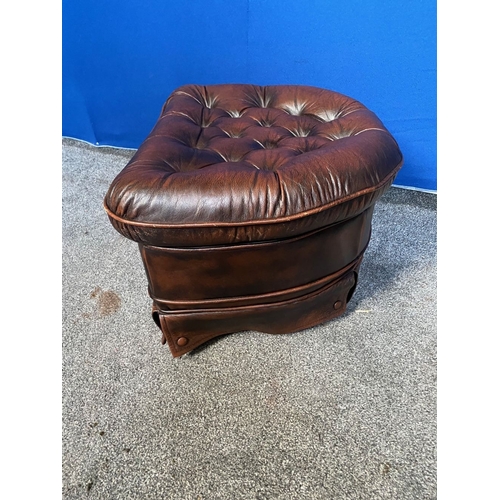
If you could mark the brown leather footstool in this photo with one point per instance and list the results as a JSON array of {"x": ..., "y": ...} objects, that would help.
[{"x": 252, "y": 207}]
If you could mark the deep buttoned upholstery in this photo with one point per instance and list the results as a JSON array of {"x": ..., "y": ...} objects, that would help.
[{"x": 235, "y": 163}]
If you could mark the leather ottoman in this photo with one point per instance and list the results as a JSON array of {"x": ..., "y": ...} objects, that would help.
[{"x": 252, "y": 207}]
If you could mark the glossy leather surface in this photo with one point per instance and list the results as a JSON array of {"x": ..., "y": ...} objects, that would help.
[
  {"x": 243, "y": 274},
  {"x": 252, "y": 207},
  {"x": 188, "y": 329},
  {"x": 228, "y": 164}
]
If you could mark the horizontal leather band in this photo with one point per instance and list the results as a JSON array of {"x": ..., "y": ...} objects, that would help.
[
  {"x": 186, "y": 330},
  {"x": 182, "y": 277},
  {"x": 267, "y": 298}
]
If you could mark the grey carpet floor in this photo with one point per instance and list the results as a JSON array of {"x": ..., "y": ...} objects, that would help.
[{"x": 345, "y": 410}]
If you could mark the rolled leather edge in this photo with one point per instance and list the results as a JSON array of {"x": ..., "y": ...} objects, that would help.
[{"x": 219, "y": 233}]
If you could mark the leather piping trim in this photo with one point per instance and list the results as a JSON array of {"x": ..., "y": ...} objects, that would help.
[
  {"x": 275, "y": 220},
  {"x": 253, "y": 244}
]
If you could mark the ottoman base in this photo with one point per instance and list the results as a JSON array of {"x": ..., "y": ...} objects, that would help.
[
  {"x": 318, "y": 302},
  {"x": 277, "y": 286}
]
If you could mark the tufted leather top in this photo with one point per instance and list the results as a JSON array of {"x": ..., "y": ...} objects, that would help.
[{"x": 235, "y": 163}]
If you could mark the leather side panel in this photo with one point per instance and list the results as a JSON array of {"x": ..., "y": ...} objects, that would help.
[{"x": 190, "y": 277}]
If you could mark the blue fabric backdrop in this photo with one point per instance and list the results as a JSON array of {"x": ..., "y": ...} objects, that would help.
[{"x": 121, "y": 60}]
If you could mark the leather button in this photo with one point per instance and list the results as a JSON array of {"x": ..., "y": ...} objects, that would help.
[
  {"x": 337, "y": 305},
  {"x": 182, "y": 341}
]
